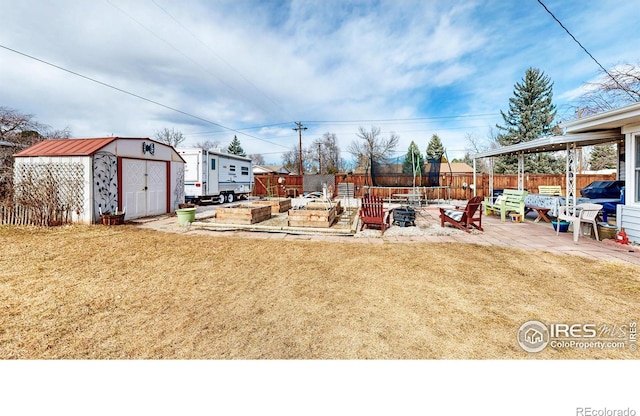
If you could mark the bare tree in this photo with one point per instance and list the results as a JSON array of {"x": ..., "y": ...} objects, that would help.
[
  {"x": 19, "y": 130},
  {"x": 618, "y": 87},
  {"x": 208, "y": 144},
  {"x": 257, "y": 159},
  {"x": 171, "y": 137},
  {"x": 477, "y": 145},
  {"x": 372, "y": 147},
  {"x": 291, "y": 158},
  {"x": 326, "y": 153},
  {"x": 16, "y": 127},
  {"x": 58, "y": 134}
]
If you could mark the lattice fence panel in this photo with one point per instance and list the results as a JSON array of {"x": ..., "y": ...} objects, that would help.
[{"x": 53, "y": 192}]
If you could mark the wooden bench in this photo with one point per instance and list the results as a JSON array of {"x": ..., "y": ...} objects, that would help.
[
  {"x": 555, "y": 190},
  {"x": 511, "y": 200}
]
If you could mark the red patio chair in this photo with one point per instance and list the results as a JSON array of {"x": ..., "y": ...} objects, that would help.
[
  {"x": 372, "y": 213},
  {"x": 466, "y": 218}
]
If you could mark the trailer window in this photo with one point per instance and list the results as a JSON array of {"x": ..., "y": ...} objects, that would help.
[
  {"x": 213, "y": 164},
  {"x": 232, "y": 168},
  {"x": 245, "y": 170}
]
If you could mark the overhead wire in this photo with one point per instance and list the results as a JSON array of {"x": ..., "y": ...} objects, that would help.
[
  {"x": 393, "y": 120},
  {"x": 137, "y": 95},
  {"x": 186, "y": 29},
  {"x": 178, "y": 51},
  {"x": 587, "y": 52}
]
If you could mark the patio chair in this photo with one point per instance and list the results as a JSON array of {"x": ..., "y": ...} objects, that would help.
[
  {"x": 584, "y": 213},
  {"x": 372, "y": 213},
  {"x": 464, "y": 218}
]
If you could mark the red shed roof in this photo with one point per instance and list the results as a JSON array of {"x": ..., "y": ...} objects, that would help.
[{"x": 68, "y": 147}]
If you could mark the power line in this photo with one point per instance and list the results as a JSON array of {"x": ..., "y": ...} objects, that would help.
[
  {"x": 186, "y": 29},
  {"x": 104, "y": 84},
  {"x": 242, "y": 129},
  {"x": 585, "y": 49},
  {"x": 179, "y": 51},
  {"x": 392, "y": 120}
]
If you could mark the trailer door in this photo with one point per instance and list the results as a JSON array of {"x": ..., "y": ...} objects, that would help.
[
  {"x": 192, "y": 183},
  {"x": 213, "y": 174}
]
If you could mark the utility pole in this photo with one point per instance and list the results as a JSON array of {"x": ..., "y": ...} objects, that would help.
[{"x": 299, "y": 130}]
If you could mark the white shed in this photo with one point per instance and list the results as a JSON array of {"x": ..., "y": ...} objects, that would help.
[{"x": 140, "y": 176}]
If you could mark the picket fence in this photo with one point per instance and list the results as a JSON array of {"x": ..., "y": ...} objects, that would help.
[{"x": 21, "y": 215}]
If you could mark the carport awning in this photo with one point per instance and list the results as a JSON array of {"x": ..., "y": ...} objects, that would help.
[{"x": 555, "y": 143}]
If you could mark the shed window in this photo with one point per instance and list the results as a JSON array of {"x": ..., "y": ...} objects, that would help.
[{"x": 245, "y": 170}]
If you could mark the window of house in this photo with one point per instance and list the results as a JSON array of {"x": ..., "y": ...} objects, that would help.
[
  {"x": 245, "y": 170},
  {"x": 637, "y": 167}
]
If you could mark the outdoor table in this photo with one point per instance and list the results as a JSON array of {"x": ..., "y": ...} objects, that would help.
[
  {"x": 541, "y": 211},
  {"x": 410, "y": 197}
]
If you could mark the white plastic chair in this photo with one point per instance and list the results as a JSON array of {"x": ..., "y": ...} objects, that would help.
[{"x": 584, "y": 213}]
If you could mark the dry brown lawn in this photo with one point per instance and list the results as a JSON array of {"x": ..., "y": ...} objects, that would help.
[{"x": 94, "y": 292}]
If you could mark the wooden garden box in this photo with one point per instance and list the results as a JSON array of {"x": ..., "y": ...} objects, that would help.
[
  {"x": 243, "y": 214},
  {"x": 325, "y": 205},
  {"x": 277, "y": 204},
  {"x": 318, "y": 218}
]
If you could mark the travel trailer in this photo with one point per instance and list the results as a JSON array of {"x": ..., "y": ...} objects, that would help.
[{"x": 215, "y": 176}]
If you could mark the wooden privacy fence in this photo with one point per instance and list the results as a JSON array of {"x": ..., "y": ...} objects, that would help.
[
  {"x": 277, "y": 185},
  {"x": 458, "y": 183}
]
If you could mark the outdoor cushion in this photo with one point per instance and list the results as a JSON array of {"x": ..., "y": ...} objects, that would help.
[{"x": 453, "y": 214}]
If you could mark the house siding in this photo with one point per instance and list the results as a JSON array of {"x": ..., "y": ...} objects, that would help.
[{"x": 630, "y": 221}]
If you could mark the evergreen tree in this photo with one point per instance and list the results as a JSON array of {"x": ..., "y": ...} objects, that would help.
[
  {"x": 435, "y": 149},
  {"x": 531, "y": 115},
  {"x": 603, "y": 157},
  {"x": 413, "y": 161},
  {"x": 235, "y": 148}
]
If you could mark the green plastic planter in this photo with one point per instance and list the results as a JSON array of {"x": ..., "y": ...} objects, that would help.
[{"x": 186, "y": 215}]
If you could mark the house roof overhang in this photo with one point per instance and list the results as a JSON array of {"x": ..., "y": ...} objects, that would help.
[
  {"x": 613, "y": 119},
  {"x": 555, "y": 143}
]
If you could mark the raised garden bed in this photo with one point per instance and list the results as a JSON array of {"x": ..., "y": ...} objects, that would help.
[
  {"x": 318, "y": 218},
  {"x": 243, "y": 214},
  {"x": 277, "y": 205},
  {"x": 324, "y": 206}
]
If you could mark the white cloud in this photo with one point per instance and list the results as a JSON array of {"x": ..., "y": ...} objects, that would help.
[{"x": 250, "y": 63}]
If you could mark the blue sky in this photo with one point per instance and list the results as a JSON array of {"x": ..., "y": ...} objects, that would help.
[{"x": 253, "y": 68}]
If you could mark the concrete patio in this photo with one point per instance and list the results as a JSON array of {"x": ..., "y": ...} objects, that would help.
[{"x": 526, "y": 235}]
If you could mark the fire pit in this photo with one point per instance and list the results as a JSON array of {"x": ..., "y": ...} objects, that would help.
[{"x": 404, "y": 217}]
